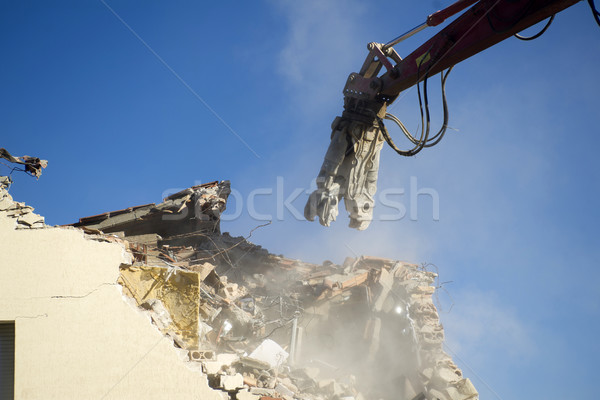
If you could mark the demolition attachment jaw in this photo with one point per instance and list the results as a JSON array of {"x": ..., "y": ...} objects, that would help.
[
  {"x": 349, "y": 171},
  {"x": 351, "y": 164}
]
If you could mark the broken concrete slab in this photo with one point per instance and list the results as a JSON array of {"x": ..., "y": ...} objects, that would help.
[
  {"x": 231, "y": 382},
  {"x": 30, "y": 219},
  {"x": 245, "y": 394},
  {"x": 5, "y": 201},
  {"x": 223, "y": 361},
  {"x": 270, "y": 352}
]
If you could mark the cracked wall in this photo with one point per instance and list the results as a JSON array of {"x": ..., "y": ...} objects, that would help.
[{"x": 76, "y": 337}]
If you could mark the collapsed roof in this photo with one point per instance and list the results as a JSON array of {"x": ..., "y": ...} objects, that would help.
[{"x": 267, "y": 327}]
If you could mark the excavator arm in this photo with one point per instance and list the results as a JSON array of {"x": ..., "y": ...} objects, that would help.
[{"x": 351, "y": 165}]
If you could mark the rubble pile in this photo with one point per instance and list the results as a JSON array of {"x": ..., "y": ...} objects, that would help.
[
  {"x": 23, "y": 214},
  {"x": 263, "y": 326}
]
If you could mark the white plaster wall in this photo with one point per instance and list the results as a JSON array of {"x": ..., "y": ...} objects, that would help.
[{"x": 76, "y": 337}]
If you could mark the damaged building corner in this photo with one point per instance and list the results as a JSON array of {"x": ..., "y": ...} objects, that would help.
[
  {"x": 251, "y": 324},
  {"x": 66, "y": 331}
]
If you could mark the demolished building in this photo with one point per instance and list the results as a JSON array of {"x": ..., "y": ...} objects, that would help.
[{"x": 247, "y": 324}]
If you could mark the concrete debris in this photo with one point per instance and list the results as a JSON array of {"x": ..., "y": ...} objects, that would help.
[
  {"x": 349, "y": 171},
  {"x": 222, "y": 361},
  {"x": 22, "y": 214},
  {"x": 263, "y": 326},
  {"x": 245, "y": 394},
  {"x": 160, "y": 315},
  {"x": 202, "y": 355},
  {"x": 33, "y": 165},
  {"x": 30, "y": 219},
  {"x": 231, "y": 382},
  {"x": 271, "y": 353}
]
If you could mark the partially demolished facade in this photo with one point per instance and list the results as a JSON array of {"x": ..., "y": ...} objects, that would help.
[{"x": 262, "y": 326}]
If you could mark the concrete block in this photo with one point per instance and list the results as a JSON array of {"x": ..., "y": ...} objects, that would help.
[
  {"x": 466, "y": 389},
  {"x": 222, "y": 361},
  {"x": 443, "y": 376},
  {"x": 202, "y": 355},
  {"x": 244, "y": 394},
  {"x": 231, "y": 382},
  {"x": 227, "y": 358},
  {"x": 434, "y": 394}
]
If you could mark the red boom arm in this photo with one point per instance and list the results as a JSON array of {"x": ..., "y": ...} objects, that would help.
[{"x": 485, "y": 24}]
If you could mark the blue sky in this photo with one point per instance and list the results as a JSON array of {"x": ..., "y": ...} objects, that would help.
[{"x": 517, "y": 178}]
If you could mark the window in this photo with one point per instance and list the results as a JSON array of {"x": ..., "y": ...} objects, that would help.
[{"x": 7, "y": 360}]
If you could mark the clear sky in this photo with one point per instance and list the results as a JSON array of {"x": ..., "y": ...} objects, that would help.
[{"x": 517, "y": 178}]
